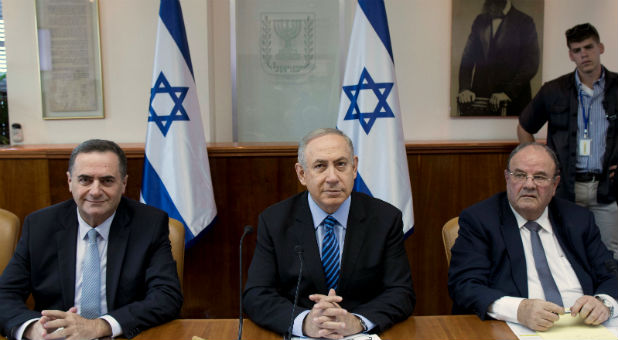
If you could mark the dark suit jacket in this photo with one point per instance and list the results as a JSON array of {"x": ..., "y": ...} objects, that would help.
[
  {"x": 375, "y": 278},
  {"x": 557, "y": 105},
  {"x": 488, "y": 260},
  {"x": 505, "y": 63},
  {"x": 142, "y": 283}
]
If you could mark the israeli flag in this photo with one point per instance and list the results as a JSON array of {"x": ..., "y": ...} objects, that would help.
[
  {"x": 176, "y": 171},
  {"x": 369, "y": 111}
]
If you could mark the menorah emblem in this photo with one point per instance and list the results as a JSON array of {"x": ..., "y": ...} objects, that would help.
[
  {"x": 287, "y": 42},
  {"x": 287, "y": 30}
]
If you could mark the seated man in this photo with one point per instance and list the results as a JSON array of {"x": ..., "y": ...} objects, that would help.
[
  {"x": 356, "y": 275},
  {"x": 97, "y": 265},
  {"x": 525, "y": 256}
]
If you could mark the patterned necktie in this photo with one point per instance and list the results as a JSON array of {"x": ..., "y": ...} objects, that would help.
[
  {"x": 330, "y": 253},
  {"x": 552, "y": 294},
  {"x": 91, "y": 279}
]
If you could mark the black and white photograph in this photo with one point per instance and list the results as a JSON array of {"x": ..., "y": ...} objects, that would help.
[{"x": 496, "y": 56}]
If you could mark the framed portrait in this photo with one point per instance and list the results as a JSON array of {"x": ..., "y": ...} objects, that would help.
[
  {"x": 69, "y": 58},
  {"x": 496, "y": 55}
]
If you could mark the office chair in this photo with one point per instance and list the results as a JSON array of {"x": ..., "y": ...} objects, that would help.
[
  {"x": 177, "y": 240},
  {"x": 449, "y": 235},
  {"x": 9, "y": 235}
]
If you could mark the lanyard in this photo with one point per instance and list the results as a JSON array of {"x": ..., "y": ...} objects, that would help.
[{"x": 584, "y": 115}]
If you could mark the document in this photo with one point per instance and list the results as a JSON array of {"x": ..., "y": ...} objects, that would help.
[
  {"x": 351, "y": 337},
  {"x": 569, "y": 328}
]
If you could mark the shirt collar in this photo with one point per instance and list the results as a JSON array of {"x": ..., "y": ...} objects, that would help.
[
  {"x": 507, "y": 7},
  {"x": 341, "y": 215},
  {"x": 102, "y": 229},
  {"x": 583, "y": 87},
  {"x": 543, "y": 220}
]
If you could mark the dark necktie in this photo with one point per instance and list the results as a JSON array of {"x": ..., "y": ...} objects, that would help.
[
  {"x": 91, "y": 279},
  {"x": 552, "y": 294},
  {"x": 330, "y": 253}
]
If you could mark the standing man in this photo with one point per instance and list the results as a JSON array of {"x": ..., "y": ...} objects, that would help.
[
  {"x": 580, "y": 109},
  {"x": 356, "y": 276},
  {"x": 524, "y": 255},
  {"x": 98, "y": 265},
  {"x": 500, "y": 58}
]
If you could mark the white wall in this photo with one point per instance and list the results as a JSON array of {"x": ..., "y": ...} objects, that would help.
[
  {"x": 128, "y": 33},
  {"x": 420, "y": 33}
]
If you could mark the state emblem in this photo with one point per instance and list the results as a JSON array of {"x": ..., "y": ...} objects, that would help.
[{"x": 287, "y": 43}]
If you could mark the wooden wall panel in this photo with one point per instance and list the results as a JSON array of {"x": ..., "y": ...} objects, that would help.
[
  {"x": 445, "y": 176},
  {"x": 24, "y": 185}
]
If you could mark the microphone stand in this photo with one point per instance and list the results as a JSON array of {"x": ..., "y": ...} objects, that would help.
[
  {"x": 248, "y": 230},
  {"x": 299, "y": 251}
]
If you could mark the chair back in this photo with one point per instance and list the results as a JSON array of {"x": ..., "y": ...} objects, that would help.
[
  {"x": 177, "y": 240},
  {"x": 450, "y": 231},
  {"x": 9, "y": 235}
]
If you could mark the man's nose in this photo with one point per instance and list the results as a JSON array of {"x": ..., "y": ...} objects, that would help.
[
  {"x": 529, "y": 183},
  {"x": 95, "y": 188},
  {"x": 331, "y": 174}
]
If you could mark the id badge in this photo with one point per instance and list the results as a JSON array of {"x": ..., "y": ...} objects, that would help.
[{"x": 584, "y": 147}]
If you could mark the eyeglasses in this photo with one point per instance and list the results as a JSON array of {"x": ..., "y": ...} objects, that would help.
[{"x": 522, "y": 177}]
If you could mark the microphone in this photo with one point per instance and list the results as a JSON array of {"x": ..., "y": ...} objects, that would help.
[
  {"x": 299, "y": 251},
  {"x": 248, "y": 230}
]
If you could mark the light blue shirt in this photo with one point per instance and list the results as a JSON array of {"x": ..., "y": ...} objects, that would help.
[
  {"x": 318, "y": 215},
  {"x": 591, "y": 101}
]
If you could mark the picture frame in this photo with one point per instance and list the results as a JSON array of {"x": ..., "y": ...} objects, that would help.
[
  {"x": 501, "y": 73},
  {"x": 68, "y": 38}
]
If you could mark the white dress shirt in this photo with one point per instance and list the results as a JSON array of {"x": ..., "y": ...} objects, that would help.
[
  {"x": 568, "y": 284},
  {"x": 103, "y": 230}
]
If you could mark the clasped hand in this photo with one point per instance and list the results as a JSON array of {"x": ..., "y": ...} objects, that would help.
[
  {"x": 56, "y": 324},
  {"x": 541, "y": 315},
  {"x": 328, "y": 320}
]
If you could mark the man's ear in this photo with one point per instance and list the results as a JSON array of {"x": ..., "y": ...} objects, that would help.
[
  {"x": 300, "y": 173},
  {"x": 69, "y": 180}
]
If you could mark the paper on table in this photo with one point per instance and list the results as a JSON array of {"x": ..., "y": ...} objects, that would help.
[
  {"x": 525, "y": 333},
  {"x": 569, "y": 327},
  {"x": 351, "y": 337}
]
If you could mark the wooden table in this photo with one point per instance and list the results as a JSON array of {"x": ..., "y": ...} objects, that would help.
[{"x": 459, "y": 327}]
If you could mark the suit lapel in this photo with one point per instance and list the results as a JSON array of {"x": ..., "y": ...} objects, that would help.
[
  {"x": 116, "y": 250},
  {"x": 560, "y": 227},
  {"x": 514, "y": 247},
  {"x": 486, "y": 36},
  {"x": 354, "y": 240},
  {"x": 66, "y": 242},
  {"x": 305, "y": 236}
]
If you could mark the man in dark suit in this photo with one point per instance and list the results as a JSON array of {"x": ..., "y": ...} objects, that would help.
[
  {"x": 366, "y": 287},
  {"x": 97, "y": 265},
  {"x": 524, "y": 255},
  {"x": 500, "y": 58}
]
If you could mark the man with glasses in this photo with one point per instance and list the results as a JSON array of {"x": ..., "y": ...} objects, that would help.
[
  {"x": 526, "y": 256},
  {"x": 581, "y": 109}
]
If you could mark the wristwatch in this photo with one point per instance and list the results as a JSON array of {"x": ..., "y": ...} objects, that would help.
[
  {"x": 363, "y": 324},
  {"x": 607, "y": 304}
]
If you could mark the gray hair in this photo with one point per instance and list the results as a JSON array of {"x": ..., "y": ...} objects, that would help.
[
  {"x": 319, "y": 133},
  {"x": 547, "y": 149},
  {"x": 100, "y": 145}
]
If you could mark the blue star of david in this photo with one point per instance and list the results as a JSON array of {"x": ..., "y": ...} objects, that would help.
[
  {"x": 178, "y": 94},
  {"x": 380, "y": 90}
]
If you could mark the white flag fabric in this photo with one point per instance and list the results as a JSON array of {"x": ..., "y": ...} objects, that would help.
[
  {"x": 176, "y": 172},
  {"x": 369, "y": 111}
]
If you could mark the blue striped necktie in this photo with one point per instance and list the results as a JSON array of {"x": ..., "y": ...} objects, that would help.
[
  {"x": 330, "y": 253},
  {"x": 552, "y": 294},
  {"x": 91, "y": 279}
]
